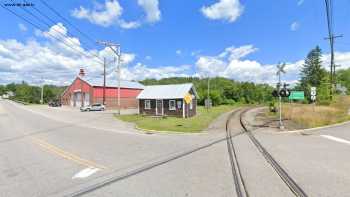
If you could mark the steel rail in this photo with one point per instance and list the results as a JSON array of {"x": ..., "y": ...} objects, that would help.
[
  {"x": 236, "y": 170},
  {"x": 288, "y": 180}
]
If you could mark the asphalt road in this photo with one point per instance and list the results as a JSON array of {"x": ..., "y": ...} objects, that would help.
[{"x": 53, "y": 152}]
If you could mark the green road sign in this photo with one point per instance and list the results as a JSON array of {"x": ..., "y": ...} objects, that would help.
[{"x": 297, "y": 95}]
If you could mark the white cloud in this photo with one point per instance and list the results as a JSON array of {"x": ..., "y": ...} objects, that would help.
[
  {"x": 129, "y": 25},
  {"x": 228, "y": 10},
  {"x": 141, "y": 71},
  {"x": 230, "y": 64},
  {"x": 105, "y": 15},
  {"x": 110, "y": 13},
  {"x": 52, "y": 60},
  {"x": 58, "y": 64},
  {"x": 148, "y": 57},
  {"x": 294, "y": 26},
  {"x": 237, "y": 53},
  {"x": 300, "y": 2},
  {"x": 22, "y": 27},
  {"x": 178, "y": 52},
  {"x": 151, "y": 7}
]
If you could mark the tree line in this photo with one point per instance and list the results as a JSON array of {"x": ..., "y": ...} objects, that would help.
[
  {"x": 222, "y": 90},
  {"x": 32, "y": 94}
]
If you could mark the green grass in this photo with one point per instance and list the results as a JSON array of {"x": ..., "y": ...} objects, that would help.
[
  {"x": 310, "y": 116},
  {"x": 188, "y": 125}
]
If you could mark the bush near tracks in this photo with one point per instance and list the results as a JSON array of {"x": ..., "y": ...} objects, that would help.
[
  {"x": 189, "y": 125},
  {"x": 310, "y": 116}
]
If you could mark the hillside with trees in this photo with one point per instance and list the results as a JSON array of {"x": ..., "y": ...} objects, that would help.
[
  {"x": 30, "y": 93},
  {"x": 222, "y": 90}
]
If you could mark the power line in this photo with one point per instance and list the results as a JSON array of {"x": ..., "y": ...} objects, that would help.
[
  {"x": 67, "y": 21},
  {"x": 53, "y": 22},
  {"x": 49, "y": 26},
  {"x": 49, "y": 34}
]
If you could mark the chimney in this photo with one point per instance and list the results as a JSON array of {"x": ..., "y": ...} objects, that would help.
[{"x": 81, "y": 72}]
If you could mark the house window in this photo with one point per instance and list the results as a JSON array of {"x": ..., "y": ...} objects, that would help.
[
  {"x": 179, "y": 104},
  {"x": 191, "y": 105},
  {"x": 147, "y": 104},
  {"x": 172, "y": 105}
]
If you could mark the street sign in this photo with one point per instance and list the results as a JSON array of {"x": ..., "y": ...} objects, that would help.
[
  {"x": 313, "y": 91},
  {"x": 188, "y": 98},
  {"x": 297, "y": 95}
]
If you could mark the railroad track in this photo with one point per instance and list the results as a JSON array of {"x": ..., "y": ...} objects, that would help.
[{"x": 241, "y": 189}]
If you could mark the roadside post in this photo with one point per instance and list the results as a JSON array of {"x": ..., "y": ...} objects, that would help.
[{"x": 280, "y": 70}]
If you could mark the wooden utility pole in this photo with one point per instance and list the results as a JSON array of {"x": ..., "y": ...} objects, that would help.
[
  {"x": 331, "y": 38},
  {"x": 117, "y": 52},
  {"x": 42, "y": 92},
  {"x": 208, "y": 96},
  {"x": 104, "y": 81}
]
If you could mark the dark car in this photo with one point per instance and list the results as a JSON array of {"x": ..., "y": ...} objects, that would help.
[{"x": 55, "y": 103}]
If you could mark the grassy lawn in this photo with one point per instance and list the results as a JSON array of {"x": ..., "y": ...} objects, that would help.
[
  {"x": 189, "y": 125},
  {"x": 309, "y": 116}
]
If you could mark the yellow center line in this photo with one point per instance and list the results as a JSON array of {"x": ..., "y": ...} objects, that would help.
[{"x": 66, "y": 155}]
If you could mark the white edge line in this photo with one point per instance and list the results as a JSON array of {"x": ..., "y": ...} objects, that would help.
[{"x": 336, "y": 139}]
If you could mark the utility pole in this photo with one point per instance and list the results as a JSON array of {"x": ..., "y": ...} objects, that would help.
[
  {"x": 208, "y": 96},
  {"x": 117, "y": 52},
  {"x": 280, "y": 70},
  {"x": 331, "y": 38},
  {"x": 42, "y": 92},
  {"x": 104, "y": 81}
]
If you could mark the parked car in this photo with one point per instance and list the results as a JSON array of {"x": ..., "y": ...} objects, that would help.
[
  {"x": 55, "y": 103},
  {"x": 94, "y": 107}
]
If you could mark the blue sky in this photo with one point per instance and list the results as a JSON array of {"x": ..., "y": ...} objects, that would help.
[{"x": 238, "y": 39}]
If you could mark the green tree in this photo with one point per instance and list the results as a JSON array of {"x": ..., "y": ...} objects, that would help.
[
  {"x": 2, "y": 89},
  {"x": 313, "y": 75},
  {"x": 343, "y": 78}
]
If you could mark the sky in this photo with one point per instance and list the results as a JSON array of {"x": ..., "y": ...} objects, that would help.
[{"x": 238, "y": 39}]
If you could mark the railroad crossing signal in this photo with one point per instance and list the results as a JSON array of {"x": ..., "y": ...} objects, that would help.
[{"x": 284, "y": 92}]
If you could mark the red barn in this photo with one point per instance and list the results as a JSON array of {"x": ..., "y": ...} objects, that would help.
[{"x": 83, "y": 92}]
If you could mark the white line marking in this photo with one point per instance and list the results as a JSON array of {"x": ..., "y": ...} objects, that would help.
[
  {"x": 336, "y": 139},
  {"x": 85, "y": 173}
]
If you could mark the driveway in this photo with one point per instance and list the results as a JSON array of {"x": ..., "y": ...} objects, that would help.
[{"x": 102, "y": 120}]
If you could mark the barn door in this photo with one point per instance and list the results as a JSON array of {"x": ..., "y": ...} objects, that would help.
[
  {"x": 87, "y": 99},
  {"x": 159, "y": 107}
]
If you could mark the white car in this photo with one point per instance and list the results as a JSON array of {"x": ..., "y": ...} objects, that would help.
[{"x": 94, "y": 107}]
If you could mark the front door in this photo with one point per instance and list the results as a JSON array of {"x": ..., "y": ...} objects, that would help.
[{"x": 159, "y": 107}]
